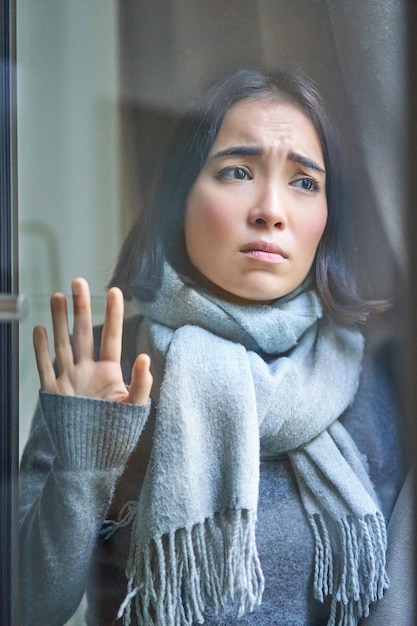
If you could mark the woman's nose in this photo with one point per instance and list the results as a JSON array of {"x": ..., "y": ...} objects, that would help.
[{"x": 268, "y": 208}]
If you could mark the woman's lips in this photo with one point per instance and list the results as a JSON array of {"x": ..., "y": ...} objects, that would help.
[{"x": 265, "y": 252}]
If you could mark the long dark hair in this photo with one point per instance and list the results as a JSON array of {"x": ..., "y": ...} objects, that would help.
[{"x": 158, "y": 233}]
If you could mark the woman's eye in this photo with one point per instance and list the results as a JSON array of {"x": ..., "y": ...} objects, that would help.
[
  {"x": 234, "y": 173},
  {"x": 307, "y": 184}
]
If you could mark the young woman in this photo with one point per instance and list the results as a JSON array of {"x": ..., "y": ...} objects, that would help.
[{"x": 249, "y": 478}]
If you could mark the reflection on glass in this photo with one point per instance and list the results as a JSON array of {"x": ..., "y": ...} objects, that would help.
[{"x": 100, "y": 89}]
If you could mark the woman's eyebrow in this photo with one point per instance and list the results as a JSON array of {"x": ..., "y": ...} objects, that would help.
[
  {"x": 305, "y": 161},
  {"x": 237, "y": 151},
  {"x": 256, "y": 151}
]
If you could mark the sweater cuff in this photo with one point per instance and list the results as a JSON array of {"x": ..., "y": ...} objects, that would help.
[{"x": 90, "y": 433}]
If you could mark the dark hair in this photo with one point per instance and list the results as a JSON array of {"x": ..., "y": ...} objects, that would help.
[{"x": 158, "y": 233}]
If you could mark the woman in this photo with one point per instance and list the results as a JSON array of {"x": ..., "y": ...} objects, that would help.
[{"x": 235, "y": 494}]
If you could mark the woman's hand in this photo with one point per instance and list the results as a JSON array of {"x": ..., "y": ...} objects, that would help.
[{"x": 78, "y": 373}]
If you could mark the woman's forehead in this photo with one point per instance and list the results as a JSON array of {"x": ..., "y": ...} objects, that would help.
[{"x": 266, "y": 123}]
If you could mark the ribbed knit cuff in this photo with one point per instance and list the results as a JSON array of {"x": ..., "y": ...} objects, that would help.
[{"x": 92, "y": 434}]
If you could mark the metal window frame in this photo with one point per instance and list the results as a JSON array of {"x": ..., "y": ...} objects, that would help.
[
  {"x": 9, "y": 411},
  {"x": 412, "y": 255}
]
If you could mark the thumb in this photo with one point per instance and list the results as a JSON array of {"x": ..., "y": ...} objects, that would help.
[{"x": 141, "y": 382}]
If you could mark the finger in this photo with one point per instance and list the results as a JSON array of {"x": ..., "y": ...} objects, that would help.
[
  {"x": 141, "y": 383},
  {"x": 111, "y": 336},
  {"x": 63, "y": 349},
  {"x": 83, "y": 328},
  {"x": 46, "y": 370}
]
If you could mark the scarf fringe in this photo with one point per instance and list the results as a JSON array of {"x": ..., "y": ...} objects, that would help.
[
  {"x": 172, "y": 581},
  {"x": 126, "y": 516},
  {"x": 355, "y": 577}
]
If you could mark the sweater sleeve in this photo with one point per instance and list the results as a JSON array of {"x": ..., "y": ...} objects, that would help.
[{"x": 77, "y": 450}]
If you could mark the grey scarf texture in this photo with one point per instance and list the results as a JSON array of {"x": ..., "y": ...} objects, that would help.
[{"x": 229, "y": 381}]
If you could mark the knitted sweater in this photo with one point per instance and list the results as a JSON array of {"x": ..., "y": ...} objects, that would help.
[{"x": 86, "y": 458}]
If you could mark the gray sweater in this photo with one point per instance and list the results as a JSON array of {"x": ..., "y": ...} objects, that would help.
[{"x": 86, "y": 458}]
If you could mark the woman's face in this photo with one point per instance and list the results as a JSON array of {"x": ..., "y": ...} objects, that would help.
[{"x": 256, "y": 212}]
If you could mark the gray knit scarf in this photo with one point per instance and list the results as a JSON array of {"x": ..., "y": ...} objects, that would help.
[{"x": 231, "y": 379}]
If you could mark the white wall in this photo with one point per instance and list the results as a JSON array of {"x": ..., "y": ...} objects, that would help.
[{"x": 68, "y": 179}]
